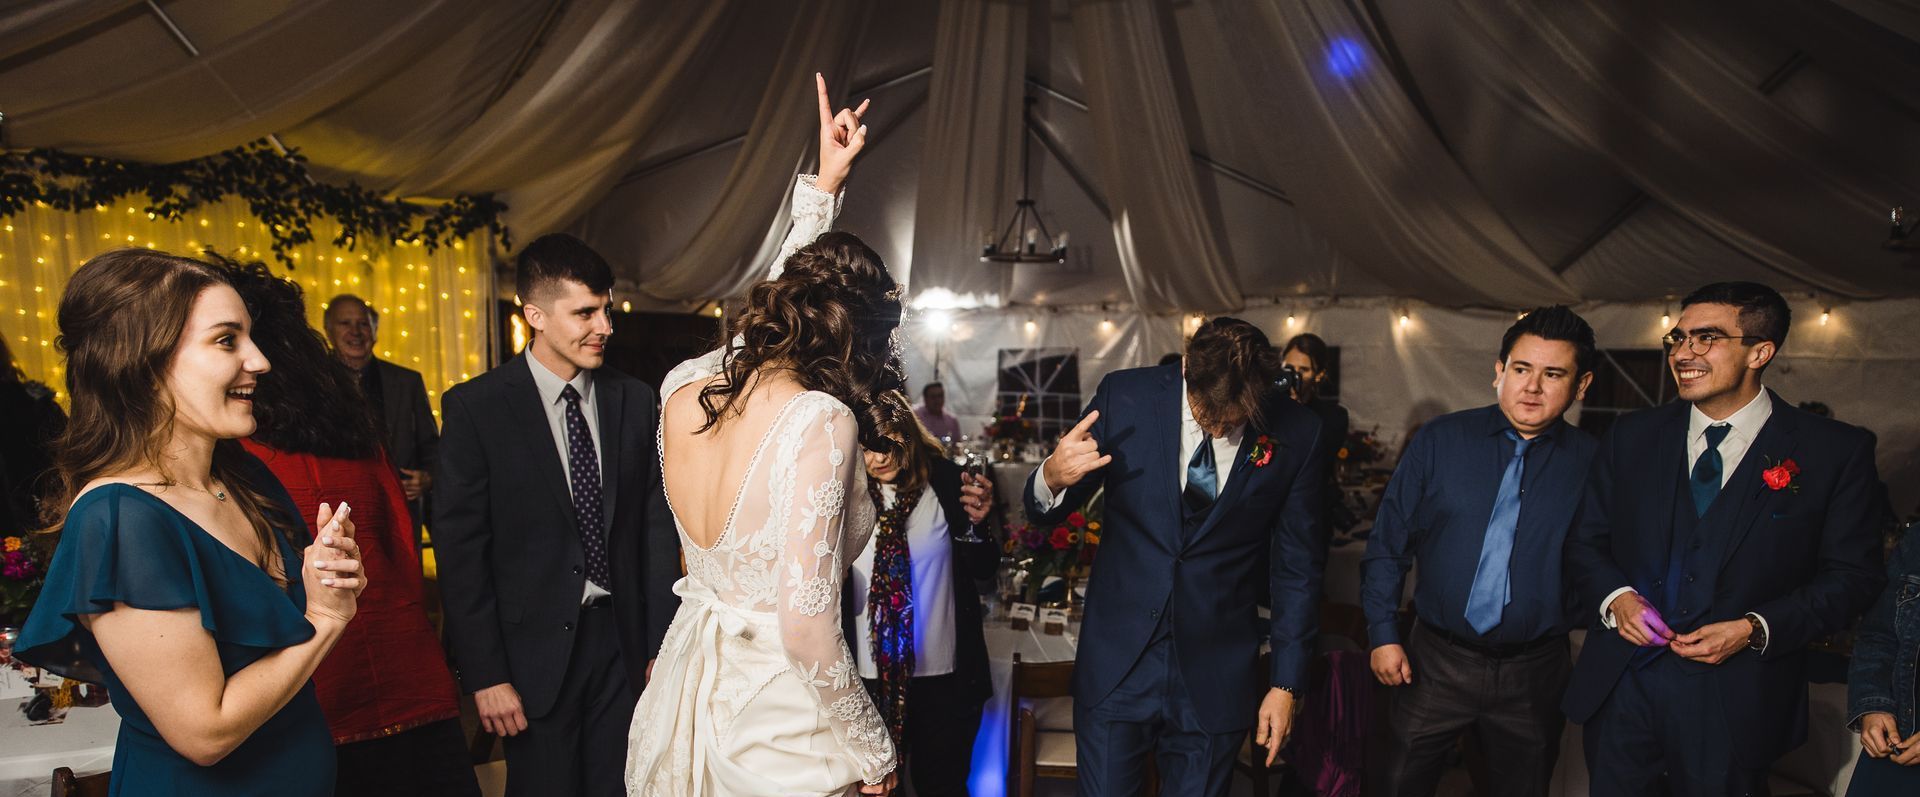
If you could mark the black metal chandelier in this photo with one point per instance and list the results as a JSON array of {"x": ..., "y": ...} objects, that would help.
[{"x": 1020, "y": 241}]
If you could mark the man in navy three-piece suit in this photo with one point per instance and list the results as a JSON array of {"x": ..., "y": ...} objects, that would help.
[
  {"x": 1206, "y": 467},
  {"x": 1719, "y": 536}
]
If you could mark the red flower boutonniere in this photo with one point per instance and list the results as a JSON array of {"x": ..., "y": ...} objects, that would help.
[
  {"x": 1261, "y": 453},
  {"x": 1781, "y": 476}
]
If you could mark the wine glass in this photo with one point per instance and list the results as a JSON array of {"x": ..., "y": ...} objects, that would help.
[{"x": 973, "y": 472}]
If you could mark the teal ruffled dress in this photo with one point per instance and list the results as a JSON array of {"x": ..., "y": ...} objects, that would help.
[{"x": 123, "y": 545}]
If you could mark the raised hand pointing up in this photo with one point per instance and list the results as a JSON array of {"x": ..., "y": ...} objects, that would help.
[
  {"x": 1076, "y": 455},
  {"x": 842, "y": 136}
]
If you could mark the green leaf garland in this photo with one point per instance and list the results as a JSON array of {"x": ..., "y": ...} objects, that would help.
[{"x": 277, "y": 188}]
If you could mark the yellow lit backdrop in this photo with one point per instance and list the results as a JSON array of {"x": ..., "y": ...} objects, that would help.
[{"x": 434, "y": 307}]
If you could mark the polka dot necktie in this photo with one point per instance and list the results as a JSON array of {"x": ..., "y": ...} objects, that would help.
[{"x": 583, "y": 470}]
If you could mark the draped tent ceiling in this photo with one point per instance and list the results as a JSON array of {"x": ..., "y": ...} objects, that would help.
[{"x": 1204, "y": 155}]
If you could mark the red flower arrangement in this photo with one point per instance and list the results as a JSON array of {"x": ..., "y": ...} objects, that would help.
[
  {"x": 1781, "y": 476},
  {"x": 21, "y": 572}
]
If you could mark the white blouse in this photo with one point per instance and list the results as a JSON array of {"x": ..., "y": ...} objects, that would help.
[{"x": 931, "y": 548}]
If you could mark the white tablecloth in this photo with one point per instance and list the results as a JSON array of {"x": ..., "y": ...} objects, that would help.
[{"x": 29, "y": 753}]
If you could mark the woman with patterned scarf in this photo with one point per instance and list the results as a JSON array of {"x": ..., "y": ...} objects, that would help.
[{"x": 914, "y": 612}]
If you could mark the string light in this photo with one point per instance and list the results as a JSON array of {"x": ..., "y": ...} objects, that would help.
[
  {"x": 1824, "y": 315},
  {"x": 1291, "y": 320},
  {"x": 1404, "y": 318},
  {"x": 1106, "y": 325},
  {"x": 626, "y": 307},
  {"x": 1032, "y": 326}
]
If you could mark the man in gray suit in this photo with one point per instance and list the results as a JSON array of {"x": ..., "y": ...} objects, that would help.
[{"x": 397, "y": 395}]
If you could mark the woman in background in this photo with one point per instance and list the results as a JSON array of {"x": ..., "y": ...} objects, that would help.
[
  {"x": 177, "y": 581},
  {"x": 29, "y": 423},
  {"x": 916, "y": 632},
  {"x": 389, "y": 698}
]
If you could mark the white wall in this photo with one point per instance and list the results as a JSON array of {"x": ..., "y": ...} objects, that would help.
[{"x": 1863, "y": 362}]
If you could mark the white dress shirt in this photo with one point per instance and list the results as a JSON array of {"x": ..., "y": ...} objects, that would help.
[
  {"x": 1746, "y": 422},
  {"x": 931, "y": 550},
  {"x": 1224, "y": 450},
  {"x": 549, "y": 385}
]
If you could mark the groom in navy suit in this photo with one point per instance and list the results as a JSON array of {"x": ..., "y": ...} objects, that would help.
[
  {"x": 1207, "y": 467},
  {"x": 1719, "y": 535}
]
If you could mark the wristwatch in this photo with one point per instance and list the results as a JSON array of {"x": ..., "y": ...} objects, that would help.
[{"x": 1757, "y": 640}]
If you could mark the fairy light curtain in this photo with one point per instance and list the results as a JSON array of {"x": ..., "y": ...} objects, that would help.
[{"x": 433, "y": 306}]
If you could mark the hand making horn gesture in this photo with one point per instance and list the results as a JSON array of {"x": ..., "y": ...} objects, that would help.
[
  {"x": 842, "y": 136},
  {"x": 1076, "y": 455}
]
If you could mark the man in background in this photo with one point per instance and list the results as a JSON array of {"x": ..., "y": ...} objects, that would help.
[
  {"x": 397, "y": 394},
  {"x": 933, "y": 413}
]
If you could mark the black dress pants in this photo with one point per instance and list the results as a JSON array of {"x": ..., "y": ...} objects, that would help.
[
  {"x": 1510, "y": 703},
  {"x": 942, "y": 721},
  {"x": 579, "y": 747}
]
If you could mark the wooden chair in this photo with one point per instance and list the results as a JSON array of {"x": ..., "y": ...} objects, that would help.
[
  {"x": 1041, "y": 739},
  {"x": 67, "y": 784}
]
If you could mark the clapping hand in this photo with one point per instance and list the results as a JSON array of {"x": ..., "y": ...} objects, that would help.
[
  {"x": 331, "y": 566},
  {"x": 842, "y": 136},
  {"x": 1076, "y": 455}
]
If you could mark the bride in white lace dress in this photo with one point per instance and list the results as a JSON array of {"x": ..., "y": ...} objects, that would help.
[{"x": 754, "y": 691}]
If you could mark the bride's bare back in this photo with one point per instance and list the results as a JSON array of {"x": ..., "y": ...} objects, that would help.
[{"x": 706, "y": 472}]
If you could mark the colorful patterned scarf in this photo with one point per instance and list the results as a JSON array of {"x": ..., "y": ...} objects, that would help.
[{"x": 890, "y": 607}]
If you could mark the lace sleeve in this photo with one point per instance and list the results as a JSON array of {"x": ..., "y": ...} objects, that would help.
[
  {"x": 820, "y": 451},
  {"x": 812, "y": 213}
]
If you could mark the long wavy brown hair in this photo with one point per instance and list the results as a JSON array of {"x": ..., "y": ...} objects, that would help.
[
  {"x": 121, "y": 321},
  {"x": 1230, "y": 367},
  {"x": 830, "y": 318}
]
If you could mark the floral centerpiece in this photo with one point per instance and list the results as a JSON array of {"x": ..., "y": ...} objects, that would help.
[
  {"x": 1065, "y": 549},
  {"x": 1010, "y": 430},
  {"x": 1360, "y": 449},
  {"x": 21, "y": 573}
]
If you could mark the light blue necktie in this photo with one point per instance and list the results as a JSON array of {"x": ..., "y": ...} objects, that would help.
[{"x": 1492, "y": 585}]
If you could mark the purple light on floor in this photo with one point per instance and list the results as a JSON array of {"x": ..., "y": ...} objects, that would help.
[
  {"x": 990, "y": 754},
  {"x": 1346, "y": 57}
]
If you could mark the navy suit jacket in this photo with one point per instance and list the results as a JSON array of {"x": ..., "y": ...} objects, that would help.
[
  {"x": 1211, "y": 581},
  {"x": 1806, "y": 559}
]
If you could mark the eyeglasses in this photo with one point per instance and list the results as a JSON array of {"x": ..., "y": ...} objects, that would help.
[{"x": 1701, "y": 343}]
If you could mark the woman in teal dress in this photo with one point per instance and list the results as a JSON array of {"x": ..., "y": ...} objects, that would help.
[{"x": 174, "y": 582}]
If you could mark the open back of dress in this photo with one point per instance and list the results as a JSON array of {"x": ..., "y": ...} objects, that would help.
[{"x": 754, "y": 691}]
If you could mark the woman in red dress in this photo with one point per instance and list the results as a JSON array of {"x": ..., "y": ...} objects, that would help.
[{"x": 388, "y": 696}]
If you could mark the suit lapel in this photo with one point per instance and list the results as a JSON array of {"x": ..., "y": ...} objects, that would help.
[
  {"x": 609, "y": 398},
  {"x": 1669, "y": 456},
  {"x": 529, "y": 417},
  {"x": 1164, "y": 456},
  {"x": 1773, "y": 444}
]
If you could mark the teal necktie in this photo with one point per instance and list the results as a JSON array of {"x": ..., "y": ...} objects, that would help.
[
  {"x": 1202, "y": 480},
  {"x": 1707, "y": 470}
]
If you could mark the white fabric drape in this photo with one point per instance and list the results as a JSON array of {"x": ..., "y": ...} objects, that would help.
[
  {"x": 1363, "y": 166},
  {"x": 970, "y": 160},
  {"x": 725, "y": 255},
  {"x": 1693, "y": 132},
  {"x": 610, "y": 71},
  {"x": 1168, "y": 243}
]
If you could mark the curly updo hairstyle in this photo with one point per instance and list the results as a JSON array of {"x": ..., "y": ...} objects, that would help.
[
  {"x": 1230, "y": 367},
  {"x": 830, "y": 317}
]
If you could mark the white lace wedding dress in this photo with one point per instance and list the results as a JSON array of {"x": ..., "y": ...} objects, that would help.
[{"x": 755, "y": 691}]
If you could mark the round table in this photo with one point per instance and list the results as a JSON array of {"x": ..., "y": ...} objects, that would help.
[
  {"x": 989, "y": 777},
  {"x": 83, "y": 743}
]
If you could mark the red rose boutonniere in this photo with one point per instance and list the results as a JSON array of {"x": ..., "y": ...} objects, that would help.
[
  {"x": 1261, "y": 453},
  {"x": 1781, "y": 476}
]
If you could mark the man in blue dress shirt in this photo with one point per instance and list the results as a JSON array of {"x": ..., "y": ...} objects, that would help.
[{"x": 1483, "y": 500}]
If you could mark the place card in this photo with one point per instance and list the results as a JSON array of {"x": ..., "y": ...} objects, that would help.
[
  {"x": 1021, "y": 617},
  {"x": 1053, "y": 620}
]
